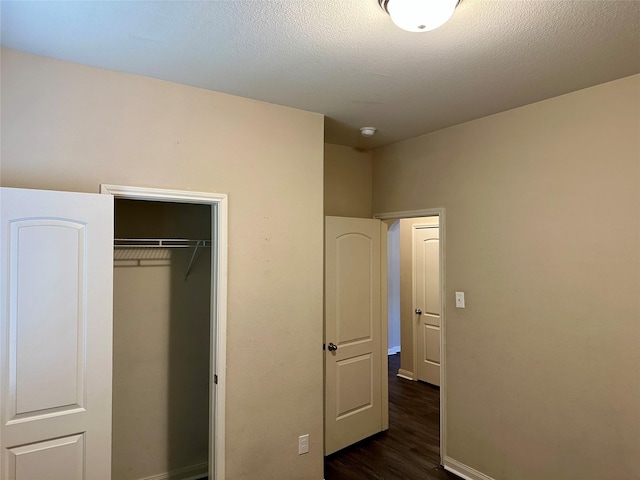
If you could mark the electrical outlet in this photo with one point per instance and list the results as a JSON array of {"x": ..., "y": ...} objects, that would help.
[{"x": 303, "y": 444}]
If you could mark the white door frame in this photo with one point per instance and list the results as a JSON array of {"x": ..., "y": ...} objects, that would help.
[
  {"x": 218, "y": 319},
  {"x": 440, "y": 213}
]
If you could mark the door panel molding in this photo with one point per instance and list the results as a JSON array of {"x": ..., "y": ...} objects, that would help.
[
  {"x": 57, "y": 458},
  {"x": 34, "y": 248},
  {"x": 349, "y": 372},
  {"x": 353, "y": 249}
]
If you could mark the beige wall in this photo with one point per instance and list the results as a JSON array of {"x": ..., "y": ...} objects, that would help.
[
  {"x": 347, "y": 181},
  {"x": 543, "y": 234},
  {"x": 71, "y": 127}
]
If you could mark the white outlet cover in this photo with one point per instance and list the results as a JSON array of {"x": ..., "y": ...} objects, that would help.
[
  {"x": 303, "y": 444},
  {"x": 459, "y": 299}
]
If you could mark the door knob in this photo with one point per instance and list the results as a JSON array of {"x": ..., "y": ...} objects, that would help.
[
  {"x": 418, "y": 311},
  {"x": 332, "y": 347}
]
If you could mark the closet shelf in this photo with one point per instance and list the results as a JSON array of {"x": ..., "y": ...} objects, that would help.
[
  {"x": 134, "y": 245},
  {"x": 160, "y": 243}
]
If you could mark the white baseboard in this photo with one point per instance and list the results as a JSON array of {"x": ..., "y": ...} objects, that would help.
[
  {"x": 394, "y": 350},
  {"x": 463, "y": 470},
  {"x": 191, "y": 472},
  {"x": 405, "y": 374}
]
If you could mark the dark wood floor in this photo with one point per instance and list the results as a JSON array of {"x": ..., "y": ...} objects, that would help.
[{"x": 409, "y": 450}]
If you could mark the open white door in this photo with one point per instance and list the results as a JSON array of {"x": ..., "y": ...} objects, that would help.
[
  {"x": 356, "y": 395},
  {"x": 56, "y": 253},
  {"x": 426, "y": 300}
]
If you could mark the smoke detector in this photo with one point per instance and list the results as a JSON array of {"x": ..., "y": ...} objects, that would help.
[{"x": 368, "y": 131}]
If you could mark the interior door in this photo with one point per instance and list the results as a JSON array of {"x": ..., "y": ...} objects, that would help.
[
  {"x": 356, "y": 395},
  {"x": 426, "y": 268},
  {"x": 56, "y": 253}
]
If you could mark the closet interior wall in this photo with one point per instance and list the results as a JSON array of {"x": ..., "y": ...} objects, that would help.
[{"x": 161, "y": 343}]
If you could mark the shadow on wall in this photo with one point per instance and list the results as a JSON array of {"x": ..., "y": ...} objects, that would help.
[{"x": 189, "y": 360}]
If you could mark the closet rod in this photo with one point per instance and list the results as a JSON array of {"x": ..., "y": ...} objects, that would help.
[
  {"x": 159, "y": 243},
  {"x": 137, "y": 243}
]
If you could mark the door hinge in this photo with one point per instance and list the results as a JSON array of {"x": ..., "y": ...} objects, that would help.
[{"x": 215, "y": 379}]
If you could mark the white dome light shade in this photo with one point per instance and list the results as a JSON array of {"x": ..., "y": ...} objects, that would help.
[{"x": 420, "y": 15}]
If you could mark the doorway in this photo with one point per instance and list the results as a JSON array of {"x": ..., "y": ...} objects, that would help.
[
  {"x": 403, "y": 314},
  {"x": 426, "y": 297},
  {"x": 357, "y": 458},
  {"x": 216, "y": 205}
]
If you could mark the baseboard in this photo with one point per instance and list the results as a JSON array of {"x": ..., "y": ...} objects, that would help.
[
  {"x": 191, "y": 472},
  {"x": 463, "y": 470},
  {"x": 394, "y": 350},
  {"x": 405, "y": 374}
]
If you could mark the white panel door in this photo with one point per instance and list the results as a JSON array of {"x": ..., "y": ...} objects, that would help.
[
  {"x": 55, "y": 335},
  {"x": 426, "y": 268},
  {"x": 356, "y": 396}
]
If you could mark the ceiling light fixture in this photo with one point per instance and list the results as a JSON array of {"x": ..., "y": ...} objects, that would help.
[{"x": 419, "y": 15}]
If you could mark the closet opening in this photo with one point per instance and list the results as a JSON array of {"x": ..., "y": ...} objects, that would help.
[{"x": 168, "y": 335}]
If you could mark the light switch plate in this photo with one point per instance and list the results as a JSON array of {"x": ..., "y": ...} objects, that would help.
[{"x": 459, "y": 299}]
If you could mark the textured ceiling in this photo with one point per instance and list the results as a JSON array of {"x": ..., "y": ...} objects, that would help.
[{"x": 345, "y": 58}]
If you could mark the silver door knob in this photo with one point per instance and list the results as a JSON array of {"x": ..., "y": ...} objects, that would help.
[
  {"x": 418, "y": 311},
  {"x": 332, "y": 347}
]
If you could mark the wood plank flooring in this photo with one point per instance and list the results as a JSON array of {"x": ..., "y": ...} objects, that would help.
[{"x": 409, "y": 450}]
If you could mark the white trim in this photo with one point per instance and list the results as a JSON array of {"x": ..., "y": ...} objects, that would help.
[
  {"x": 463, "y": 470},
  {"x": 191, "y": 472},
  {"x": 161, "y": 195},
  {"x": 220, "y": 304},
  {"x": 219, "y": 203},
  {"x": 384, "y": 325},
  {"x": 443, "y": 336},
  {"x": 406, "y": 374},
  {"x": 430, "y": 212},
  {"x": 414, "y": 322},
  {"x": 393, "y": 350},
  {"x": 421, "y": 226}
]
